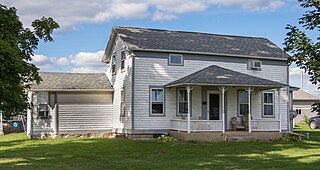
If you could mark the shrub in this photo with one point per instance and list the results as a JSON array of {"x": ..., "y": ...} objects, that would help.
[
  {"x": 306, "y": 119},
  {"x": 167, "y": 139},
  {"x": 289, "y": 138}
]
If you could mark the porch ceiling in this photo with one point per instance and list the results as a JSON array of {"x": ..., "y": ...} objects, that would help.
[{"x": 218, "y": 76}]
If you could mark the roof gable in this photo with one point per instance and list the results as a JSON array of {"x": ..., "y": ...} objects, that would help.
[
  {"x": 145, "y": 39},
  {"x": 303, "y": 95}
]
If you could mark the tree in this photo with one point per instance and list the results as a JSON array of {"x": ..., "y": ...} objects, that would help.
[
  {"x": 306, "y": 51},
  {"x": 17, "y": 45}
]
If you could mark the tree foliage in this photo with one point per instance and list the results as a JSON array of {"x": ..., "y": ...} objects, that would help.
[
  {"x": 305, "y": 50},
  {"x": 17, "y": 45}
]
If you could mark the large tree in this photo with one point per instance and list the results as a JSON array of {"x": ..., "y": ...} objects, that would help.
[
  {"x": 17, "y": 45},
  {"x": 305, "y": 50}
]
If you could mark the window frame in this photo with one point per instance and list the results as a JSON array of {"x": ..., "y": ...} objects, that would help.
[
  {"x": 175, "y": 64},
  {"x": 151, "y": 88},
  {"x": 263, "y": 104},
  {"x": 251, "y": 67},
  {"x": 113, "y": 63},
  {"x": 178, "y": 114},
  {"x": 238, "y": 102},
  {"x": 44, "y": 103},
  {"x": 122, "y": 103},
  {"x": 123, "y": 58}
]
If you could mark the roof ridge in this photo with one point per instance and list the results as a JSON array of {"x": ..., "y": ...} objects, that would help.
[
  {"x": 47, "y": 72},
  {"x": 207, "y": 33}
]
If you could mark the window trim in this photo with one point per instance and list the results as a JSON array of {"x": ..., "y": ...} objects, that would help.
[
  {"x": 177, "y": 102},
  {"x": 273, "y": 104},
  {"x": 163, "y": 101},
  {"x": 175, "y": 64},
  {"x": 250, "y": 62},
  {"x": 113, "y": 64},
  {"x": 123, "y": 59},
  {"x": 238, "y": 101},
  {"x": 122, "y": 103}
]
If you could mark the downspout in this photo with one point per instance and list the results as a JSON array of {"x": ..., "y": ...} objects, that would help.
[{"x": 279, "y": 110}]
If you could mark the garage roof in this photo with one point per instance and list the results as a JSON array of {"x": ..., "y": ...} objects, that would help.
[{"x": 55, "y": 81}]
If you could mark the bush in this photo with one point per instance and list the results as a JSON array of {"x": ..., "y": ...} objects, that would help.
[
  {"x": 167, "y": 139},
  {"x": 289, "y": 138},
  {"x": 306, "y": 119}
]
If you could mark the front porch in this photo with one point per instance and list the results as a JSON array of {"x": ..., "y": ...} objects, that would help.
[{"x": 261, "y": 125}]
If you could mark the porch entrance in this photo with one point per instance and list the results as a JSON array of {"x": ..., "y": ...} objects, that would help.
[{"x": 213, "y": 106}]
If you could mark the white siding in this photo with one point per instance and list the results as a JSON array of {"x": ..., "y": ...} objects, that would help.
[
  {"x": 85, "y": 117},
  {"x": 154, "y": 71},
  {"x": 85, "y": 98},
  {"x": 121, "y": 80}
]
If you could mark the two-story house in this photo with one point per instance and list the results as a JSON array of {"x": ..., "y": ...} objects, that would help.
[{"x": 188, "y": 82}]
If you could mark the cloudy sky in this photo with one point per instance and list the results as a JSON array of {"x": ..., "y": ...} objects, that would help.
[{"x": 85, "y": 25}]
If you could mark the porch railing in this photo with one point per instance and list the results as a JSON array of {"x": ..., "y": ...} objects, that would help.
[
  {"x": 265, "y": 125},
  {"x": 197, "y": 125}
]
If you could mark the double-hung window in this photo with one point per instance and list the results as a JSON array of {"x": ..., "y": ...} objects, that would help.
[
  {"x": 268, "y": 104},
  {"x": 243, "y": 103},
  {"x": 123, "y": 58},
  {"x": 156, "y": 101},
  {"x": 113, "y": 64},
  {"x": 182, "y": 99},
  {"x": 43, "y": 109},
  {"x": 122, "y": 109}
]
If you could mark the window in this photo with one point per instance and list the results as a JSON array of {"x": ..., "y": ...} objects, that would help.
[
  {"x": 156, "y": 104},
  {"x": 243, "y": 103},
  {"x": 176, "y": 59},
  {"x": 43, "y": 110},
  {"x": 122, "y": 109},
  {"x": 268, "y": 104},
  {"x": 298, "y": 111},
  {"x": 113, "y": 64},
  {"x": 182, "y": 102},
  {"x": 123, "y": 58},
  {"x": 255, "y": 65}
]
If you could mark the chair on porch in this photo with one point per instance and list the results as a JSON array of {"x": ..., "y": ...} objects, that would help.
[
  {"x": 245, "y": 121},
  {"x": 234, "y": 123}
]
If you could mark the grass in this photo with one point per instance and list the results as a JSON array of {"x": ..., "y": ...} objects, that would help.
[{"x": 17, "y": 152}]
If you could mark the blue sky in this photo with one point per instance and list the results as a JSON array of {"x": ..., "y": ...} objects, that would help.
[{"x": 86, "y": 25}]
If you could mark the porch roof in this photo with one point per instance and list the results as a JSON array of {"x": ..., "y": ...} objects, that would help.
[{"x": 218, "y": 76}]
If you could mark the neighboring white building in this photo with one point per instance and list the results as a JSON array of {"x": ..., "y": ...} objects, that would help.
[
  {"x": 302, "y": 102},
  {"x": 166, "y": 81}
]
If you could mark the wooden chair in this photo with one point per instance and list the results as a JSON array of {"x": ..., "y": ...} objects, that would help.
[
  {"x": 234, "y": 123},
  {"x": 245, "y": 121}
]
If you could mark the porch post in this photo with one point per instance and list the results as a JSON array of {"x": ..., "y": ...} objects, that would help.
[
  {"x": 249, "y": 90},
  {"x": 279, "y": 109},
  {"x": 223, "y": 89},
  {"x": 188, "y": 88}
]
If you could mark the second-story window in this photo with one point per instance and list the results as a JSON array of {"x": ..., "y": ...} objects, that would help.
[
  {"x": 113, "y": 64},
  {"x": 175, "y": 59},
  {"x": 123, "y": 58}
]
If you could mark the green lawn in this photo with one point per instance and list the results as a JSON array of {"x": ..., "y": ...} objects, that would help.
[{"x": 16, "y": 152}]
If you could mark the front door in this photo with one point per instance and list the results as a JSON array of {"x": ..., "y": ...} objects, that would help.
[{"x": 214, "y": 106}]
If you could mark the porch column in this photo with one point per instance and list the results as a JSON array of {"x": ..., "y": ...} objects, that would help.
[
  {"x": 249, "y": 90},
  {"x": 188, "y": 88},
  {"x": 279, "y": 111},
  {"x": 223, "y": 89}
]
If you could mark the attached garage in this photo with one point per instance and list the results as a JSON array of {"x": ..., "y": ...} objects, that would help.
[
  {"x": 66, "y": 103},
  {"x": 85, "y": 111}
]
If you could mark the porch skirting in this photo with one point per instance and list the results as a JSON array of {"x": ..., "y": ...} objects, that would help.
[{"x": 227, "y": 136}]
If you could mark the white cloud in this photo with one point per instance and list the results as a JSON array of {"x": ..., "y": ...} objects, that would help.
[
  {"x": 70, "y": 14},
  {"x": 81, "y": 62}
]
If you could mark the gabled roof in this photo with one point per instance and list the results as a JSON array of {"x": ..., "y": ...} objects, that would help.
[
  {"x": 195, "y": 42},
  {"x": 303, "y": 95},
  {"x": 215, "y": 75},
  {"x": 54, "y": 81}
]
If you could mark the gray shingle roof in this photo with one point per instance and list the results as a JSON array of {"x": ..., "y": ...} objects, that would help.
[
  {"x": 73, "y": 81},
  {"x": 303, "y": 95},
  {"x": 215, "y": 75},
  {"x": 155, "y": 39}
]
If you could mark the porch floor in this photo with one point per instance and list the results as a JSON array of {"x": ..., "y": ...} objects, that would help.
[{"x": 227, "y": 136}]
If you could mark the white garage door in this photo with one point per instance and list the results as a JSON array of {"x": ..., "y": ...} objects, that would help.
[{"x": 85, "y": 112}]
